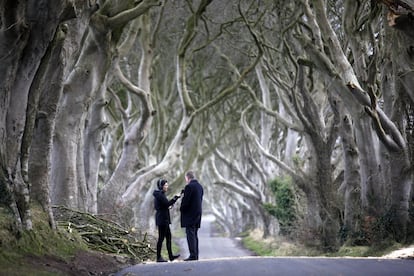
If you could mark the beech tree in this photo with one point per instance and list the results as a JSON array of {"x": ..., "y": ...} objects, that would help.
[
  {"x": 88, "y": 32},
  {"x": 192, "y": 41},
  {"x": 314, "y": 36},
  {"x": 319, "y": 47},
  {"x": 85, "y": 85},
  {"x": 30, "y": 48},
  {"x": 100, "y": 98}
]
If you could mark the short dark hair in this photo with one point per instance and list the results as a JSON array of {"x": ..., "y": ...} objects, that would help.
[{"x": 190, "y": 174}]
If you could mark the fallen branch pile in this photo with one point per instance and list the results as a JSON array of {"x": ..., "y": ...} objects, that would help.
[{"x": 104, "y": 235}]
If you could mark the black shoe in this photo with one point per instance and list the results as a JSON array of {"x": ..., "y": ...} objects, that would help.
[
  {"x": 173, "y": 257},
  {"x": 190, "y": 259},
  {"x": 161, "y": 260}
]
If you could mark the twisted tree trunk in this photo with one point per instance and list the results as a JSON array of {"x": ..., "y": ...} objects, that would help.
[{"x": 25, "y": 36}]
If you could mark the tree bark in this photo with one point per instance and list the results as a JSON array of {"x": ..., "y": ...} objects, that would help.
[
  {"x": 41, "y": 118},
  {"x": 79, "y": 92},
  {"x": 29, "y": 32},
  {"x": 135, "y": 132},
  {"x": 351, "y": 185}
]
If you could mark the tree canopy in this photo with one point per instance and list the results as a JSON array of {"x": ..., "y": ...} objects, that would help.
[{"x": 100, "y": 98}]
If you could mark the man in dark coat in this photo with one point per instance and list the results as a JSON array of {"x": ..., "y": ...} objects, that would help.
[
  {"x": 162, "y": 218},
  {"x": 191, "y": 210}
]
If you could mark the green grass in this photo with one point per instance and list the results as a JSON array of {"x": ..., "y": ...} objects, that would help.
[
  {"x": 368, "y": 251},
  {"x": 280, "y": 247},
  {"x": 260, "y": 248},
  {"x": 39, "y": 242}
]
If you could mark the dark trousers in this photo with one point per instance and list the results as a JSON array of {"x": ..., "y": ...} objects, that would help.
[
  {"x": 192, "y": 240},
  {"x": 164, "y": 232}
]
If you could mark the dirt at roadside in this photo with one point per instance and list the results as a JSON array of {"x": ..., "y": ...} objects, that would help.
[{"x": 85, "y": 263}]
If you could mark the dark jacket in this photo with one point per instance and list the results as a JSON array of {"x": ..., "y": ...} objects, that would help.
[
  {"x": 191, "y": 204},
  {"x": 162, "y": 204}
]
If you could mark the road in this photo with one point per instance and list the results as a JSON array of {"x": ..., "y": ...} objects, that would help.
[
  {"x": 211, "y": 246},
  {"x": 223, "y": 256}
]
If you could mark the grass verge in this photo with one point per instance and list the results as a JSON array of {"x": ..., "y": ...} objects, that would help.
[
  {"x": 16, "y": 247},
  {"x": 281, "y": 247}
]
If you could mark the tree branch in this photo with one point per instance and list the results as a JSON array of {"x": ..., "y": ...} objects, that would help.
[
  {"x": 124, "y": 17},
  {"x": 386, "y": 130},
  {"x": 238, "y": 172},
  {"x": 231, "y": 185},
  {"x": 273, "y": 158}
]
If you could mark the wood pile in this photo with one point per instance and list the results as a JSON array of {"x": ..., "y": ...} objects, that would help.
[{"x": 104, "y": 235}]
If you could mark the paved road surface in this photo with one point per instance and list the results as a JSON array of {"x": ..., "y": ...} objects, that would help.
[
  {"x": 223, "y": 256},
  {"x": 259, "y": 266},
  {"x": 211, "y": 246}
]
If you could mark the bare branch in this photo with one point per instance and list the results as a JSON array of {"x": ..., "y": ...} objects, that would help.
[
  {"x": 128, "y": 84},
  {"x": 237, "y": 171},
  {"x": 231, "y": 185},
  {"x": 131, "y": 14},
  {"x": 256, "y": 140}
]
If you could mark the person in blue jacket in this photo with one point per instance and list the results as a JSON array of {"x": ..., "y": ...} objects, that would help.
[
  {"x": 191, "y": 211},
  {"x": 162, "y": 218}
]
